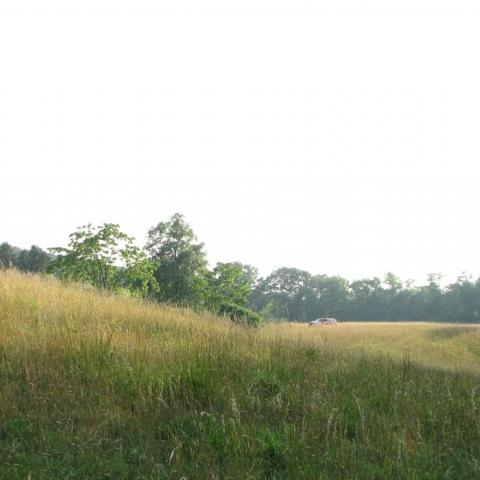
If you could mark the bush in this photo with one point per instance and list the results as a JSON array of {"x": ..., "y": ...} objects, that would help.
[{"x": 239, "y": 314}]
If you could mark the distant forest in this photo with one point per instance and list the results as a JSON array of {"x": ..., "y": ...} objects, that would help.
[{"x": 172, "y": 268}]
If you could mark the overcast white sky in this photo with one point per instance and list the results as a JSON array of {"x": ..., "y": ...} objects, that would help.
[{"x": 342, "y": 137}]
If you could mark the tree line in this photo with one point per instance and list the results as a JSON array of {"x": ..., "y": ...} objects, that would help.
[{"x": 172, "y": 267}]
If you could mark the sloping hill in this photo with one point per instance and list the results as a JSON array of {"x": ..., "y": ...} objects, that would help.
[{"x": 95, "y": 386}]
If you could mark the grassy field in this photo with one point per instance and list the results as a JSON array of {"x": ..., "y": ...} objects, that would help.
[
  {"x": 453, "y": 347},
  {"x": 96, "y": 387}
]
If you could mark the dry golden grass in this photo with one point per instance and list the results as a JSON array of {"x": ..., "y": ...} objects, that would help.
[
  {"x": 51, "y": 315},
  {"x": 46, "y": 314},
  {"x": 436, "y": 345}
]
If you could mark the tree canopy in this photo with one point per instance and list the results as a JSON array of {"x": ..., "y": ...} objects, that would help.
[
  {"x": 179, "y": 259},
  {"x": 173, "y": 268},
  {"x": 33, "y": 260},
  {"x": 105, "y": 257}
]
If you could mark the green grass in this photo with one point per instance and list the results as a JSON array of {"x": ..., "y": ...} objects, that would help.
[{"x": 98, "y": 387}]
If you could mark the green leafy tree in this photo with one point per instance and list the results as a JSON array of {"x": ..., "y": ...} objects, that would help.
[
  {"x": 367, "y": 297},
  {"x": 7, "y": 255},
  {"x": 393, "y": 283},
  {"x": 180, "y": 261},
  {"x": 461, "y": 300},
  {"x": 33, "y": 260},
  {"x": 326, "y": 297},
  {"x": 105, "y": 257},
  {"x": 431, "y": 298},
  {"x": 282, "y": 294},
  {"x": 229, "y": 283}
]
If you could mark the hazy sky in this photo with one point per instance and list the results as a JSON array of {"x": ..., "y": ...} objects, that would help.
[{"x": 342, "y": 137}]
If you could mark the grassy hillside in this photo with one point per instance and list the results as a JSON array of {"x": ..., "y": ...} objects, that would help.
[{"x": 98, "y": 387}]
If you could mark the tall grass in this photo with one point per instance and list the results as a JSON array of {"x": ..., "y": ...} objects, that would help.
[
  {"x": 454, "y": 347},
  {"x": 96, "y": 387}
]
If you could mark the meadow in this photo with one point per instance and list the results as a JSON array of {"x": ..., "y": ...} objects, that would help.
[{"x": 97, "y": 386}]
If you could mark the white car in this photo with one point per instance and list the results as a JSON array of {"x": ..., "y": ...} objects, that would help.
[{"x": 322, "y": 321}]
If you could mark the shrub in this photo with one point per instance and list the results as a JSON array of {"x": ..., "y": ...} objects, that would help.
[{"x": 239, "y": 314}]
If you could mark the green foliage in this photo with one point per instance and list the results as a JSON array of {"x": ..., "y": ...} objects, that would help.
[
  {"x": 33, "y": 260},
  {"x": 229, "y": 283},
  {"x": 179, "y": 259},
  {"x": 282, "y": 293},
  {"x": 325, "y": 295},
  {"x": 296, "y": 295},
  {"x": 239, "y": 314},
  {"x": 105, "y": 257},
  {"x": 176, "y": 271},
  {"x": 7, "y": 255}
]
